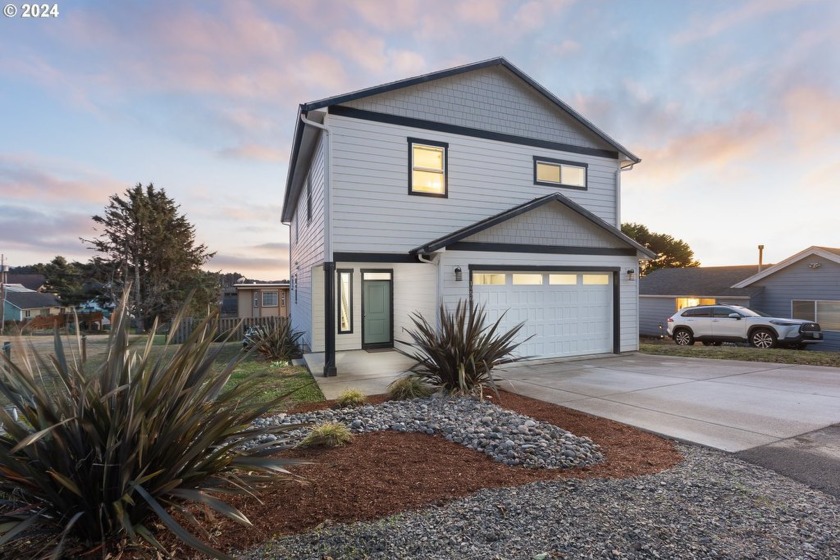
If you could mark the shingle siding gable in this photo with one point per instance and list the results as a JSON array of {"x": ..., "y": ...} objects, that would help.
[{"x": 490, "y": 99}]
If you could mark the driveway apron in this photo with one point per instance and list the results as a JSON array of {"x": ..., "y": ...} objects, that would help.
[{"x": 728, "y": 405}]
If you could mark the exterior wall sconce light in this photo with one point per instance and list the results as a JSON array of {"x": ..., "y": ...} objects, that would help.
[
  {"x": 631, "y": 274},
  {"x": 459, "y": 275}
]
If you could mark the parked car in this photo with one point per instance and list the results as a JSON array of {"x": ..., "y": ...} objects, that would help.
[{"x": 715, "y": 324}]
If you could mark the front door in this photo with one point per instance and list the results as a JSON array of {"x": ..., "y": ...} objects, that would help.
[{"x": 377, "y": 309}]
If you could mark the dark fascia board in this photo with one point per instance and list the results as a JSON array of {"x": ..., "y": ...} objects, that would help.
[
  {"x": 498, "y": 61},
  {"x": 486, "y": 223},
  {"x": 289, "y": 200}
]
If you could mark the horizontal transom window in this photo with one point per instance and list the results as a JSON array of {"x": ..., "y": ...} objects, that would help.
[{"x": 558, "y": 173}]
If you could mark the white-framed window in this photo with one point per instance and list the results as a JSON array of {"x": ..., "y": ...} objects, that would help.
[
  {"x": 559, "y": 173},
  {"x": 824, "y": 312},
  {"x": 269, "y": 298},
  {"x": 427, "y": 167}
]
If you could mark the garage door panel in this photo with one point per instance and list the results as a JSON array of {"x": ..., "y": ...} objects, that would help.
[{"x": 562, "y": 319}]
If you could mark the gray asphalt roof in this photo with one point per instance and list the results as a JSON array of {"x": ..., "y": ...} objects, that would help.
[
  {"x": 32, "y": 300},
  {"x": 699, "y": 281}
]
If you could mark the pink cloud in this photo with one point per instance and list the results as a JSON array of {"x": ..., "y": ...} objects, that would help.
[
  {"x": 813, "y": 115},
  {"x": 24, "y": 177},
  {"x": 718, "y": 149}
]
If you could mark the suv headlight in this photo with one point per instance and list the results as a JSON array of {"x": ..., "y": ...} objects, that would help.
[{"x": 782, "y": 323}]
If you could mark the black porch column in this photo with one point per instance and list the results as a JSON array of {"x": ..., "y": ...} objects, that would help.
[{"x": 329, "y": 320}]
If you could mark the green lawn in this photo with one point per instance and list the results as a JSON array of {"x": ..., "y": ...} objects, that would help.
[
  {"x": 743, "y": 353},
  {"x": 286, "y": 379}
]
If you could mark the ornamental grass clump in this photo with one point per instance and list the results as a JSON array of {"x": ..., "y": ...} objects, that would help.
[
  {"x": 104, "y": 454},
  {"x": 350, "y": 398},
  {"x": 458, "y": 356},
  {"x": 275, "y": 341},
  {"x": 407, "y": 387},
  {"x": 328, "y": 434}
]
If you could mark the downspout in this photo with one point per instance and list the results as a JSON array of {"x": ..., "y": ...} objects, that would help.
[
  {"x": 618, "y": 191},
  {"x": 617, "y": 275},
  {"x": 329, "y": 264}
]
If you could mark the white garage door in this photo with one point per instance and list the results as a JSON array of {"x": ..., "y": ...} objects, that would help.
[{"x": 568, "y": 313}]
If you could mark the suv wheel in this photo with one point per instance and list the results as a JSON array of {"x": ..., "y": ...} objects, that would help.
[
  {"x": 762, "y": 338},
  {"x": 683, "y": 337}
]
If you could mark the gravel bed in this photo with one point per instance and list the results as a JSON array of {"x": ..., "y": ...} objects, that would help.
[
  {"x": 709, "y": 506},
  {"x": 503, "y": 435}
]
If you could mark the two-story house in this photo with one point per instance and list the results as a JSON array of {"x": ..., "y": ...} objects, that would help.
[{"x": 473, "y": 183}]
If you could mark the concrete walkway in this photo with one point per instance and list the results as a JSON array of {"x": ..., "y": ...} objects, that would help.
[
  {"x": 368, "y": 372},
  {"x": 727, "y": 405}
]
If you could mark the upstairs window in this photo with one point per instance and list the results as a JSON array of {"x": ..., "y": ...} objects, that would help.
[
  {"x": 558, "y": 173},
  {"x": 427, "y": 167}
]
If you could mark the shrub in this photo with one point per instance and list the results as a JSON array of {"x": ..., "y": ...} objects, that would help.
[
  {"x": 350, "y": 398},
  {"x": 276, "y": 341},
  {"x": 459, "y": 356},
  {"x": 104, "y": 452},
  {"x": 408, "y": 387},
  {"x": 328, "y": 434}
]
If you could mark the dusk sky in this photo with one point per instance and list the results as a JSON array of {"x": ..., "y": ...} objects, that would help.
[{"x": 733, "y": 107}]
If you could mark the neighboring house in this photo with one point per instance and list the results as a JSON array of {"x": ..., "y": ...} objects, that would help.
[
  {"x": 34, "y": 282},
  {"x": 26, "y": 305},
  {"x": 665, "y": 291},
  {"x": 263, "y": 299},
  {"x": 469, "y": 183},
  {"x": 803, "y": 286}
]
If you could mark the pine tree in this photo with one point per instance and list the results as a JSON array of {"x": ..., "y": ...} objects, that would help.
[
  {"x": 670, "y": 252},
  {"x": 148, "y": 244}
]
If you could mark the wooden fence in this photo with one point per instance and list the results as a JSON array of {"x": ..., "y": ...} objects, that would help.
[{"x": 225, "y": 326}]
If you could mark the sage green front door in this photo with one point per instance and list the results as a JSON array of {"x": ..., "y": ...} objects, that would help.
[{"x": 376, "y": 310}]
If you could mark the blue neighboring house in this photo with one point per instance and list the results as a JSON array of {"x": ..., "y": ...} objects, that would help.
[{"x": 803, "y": 286}]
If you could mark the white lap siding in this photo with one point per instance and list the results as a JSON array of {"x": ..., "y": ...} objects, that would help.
[{"x": 374, "y": 212}]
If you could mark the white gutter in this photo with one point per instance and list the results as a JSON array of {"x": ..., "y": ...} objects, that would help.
[{"x": 328, "y": 252}]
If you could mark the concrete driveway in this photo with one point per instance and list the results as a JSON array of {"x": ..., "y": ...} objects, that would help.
[{"x": 733, "y": 406}]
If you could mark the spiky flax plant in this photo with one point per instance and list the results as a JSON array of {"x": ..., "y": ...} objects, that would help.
[{"x": 96, "y": 455}]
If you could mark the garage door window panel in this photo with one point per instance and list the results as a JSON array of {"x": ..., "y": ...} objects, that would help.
[
  {"x": 596, "y": 279},
  {"x": 492, "y": 279},
  {"x": 527, "y": 279}
]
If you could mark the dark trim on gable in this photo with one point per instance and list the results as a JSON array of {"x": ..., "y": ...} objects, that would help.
[
  {"x": 549, "y": 249},
  {"x": 486, "y": 223},
  {"x": 386, "y": 118},
  {"x": 375, "y": 257}
]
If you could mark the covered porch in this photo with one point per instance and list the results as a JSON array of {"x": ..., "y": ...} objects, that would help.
[{"x": 367, "y": 371}]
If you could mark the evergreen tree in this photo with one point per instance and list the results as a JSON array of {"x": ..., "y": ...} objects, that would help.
[
  {"x": 148, "y": 244},
  {"x": 670, "y": 252}
]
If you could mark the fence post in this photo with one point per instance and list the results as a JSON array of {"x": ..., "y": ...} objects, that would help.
[{"x": 84, "y": 348}]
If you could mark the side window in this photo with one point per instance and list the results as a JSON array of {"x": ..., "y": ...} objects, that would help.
[
  {"x": 722, "y": 311},
  {"x": 700, "y": 312},
  {"x": 559, "y": 173},
  {"x": 427, "y": 167},
  {"x": 345, "y": 301}
]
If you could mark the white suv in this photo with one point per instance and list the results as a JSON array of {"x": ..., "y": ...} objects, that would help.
[{"x": 714, "y": 324}]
